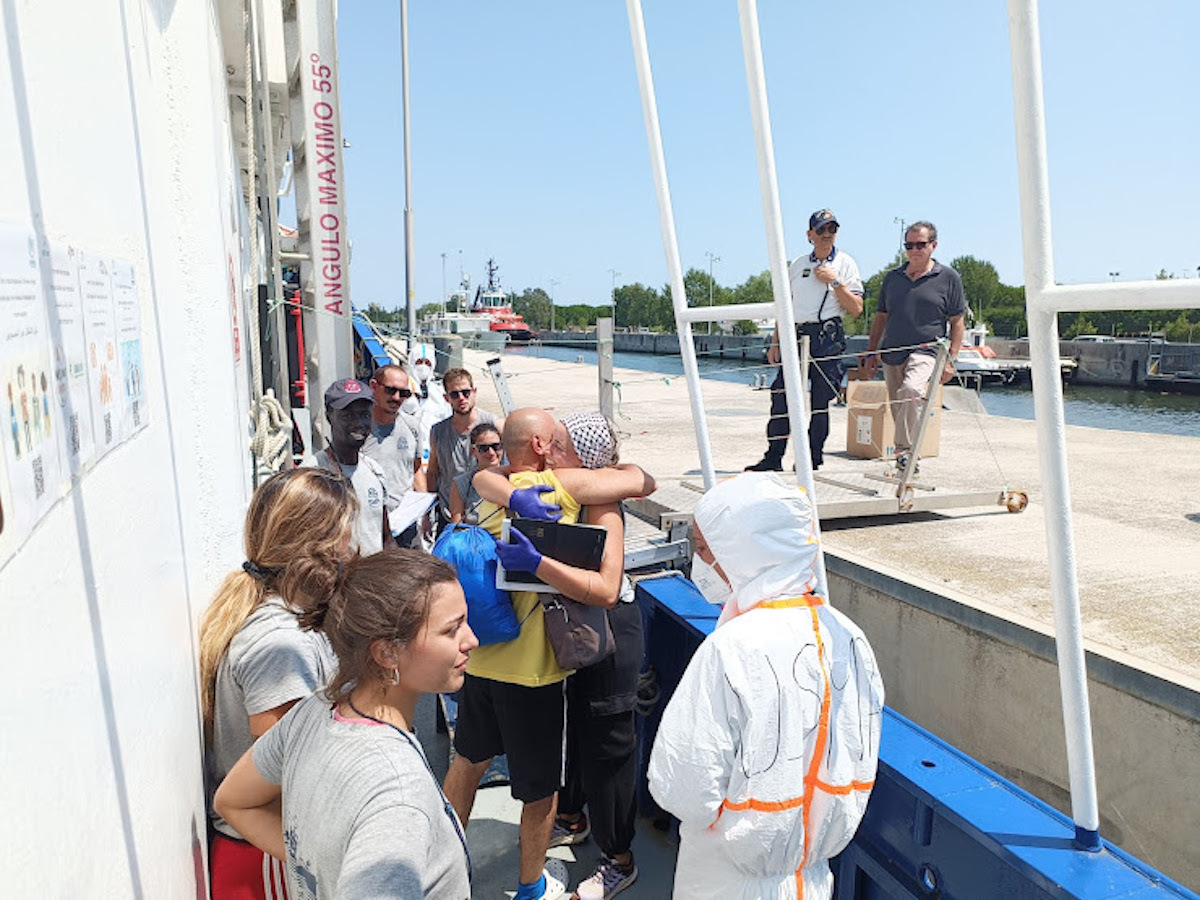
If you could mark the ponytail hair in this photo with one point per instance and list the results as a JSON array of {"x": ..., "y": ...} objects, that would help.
[
  {"x": 385, "y": 596},
  {"x": 292, "y": 515}
]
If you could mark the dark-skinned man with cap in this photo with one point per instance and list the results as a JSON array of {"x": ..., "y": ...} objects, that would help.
[
  {"x": 348, "y": 408},
  {"x": 825, "y": 285}
]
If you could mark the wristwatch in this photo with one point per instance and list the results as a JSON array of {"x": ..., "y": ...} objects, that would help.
[{"x": 835, "y": 284}]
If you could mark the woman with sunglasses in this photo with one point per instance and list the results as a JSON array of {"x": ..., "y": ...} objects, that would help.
[
  {"x": 255, "y": 661},
  {"x": 488, "y": 451},
  {"x": 340, "y": 788}
]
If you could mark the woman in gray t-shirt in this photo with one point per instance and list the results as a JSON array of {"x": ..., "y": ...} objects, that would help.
[
  {"x": 255, "y": 661},
  {"x": 362, "y": 814}
]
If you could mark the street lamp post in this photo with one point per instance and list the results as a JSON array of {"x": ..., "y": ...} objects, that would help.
[
  {"x": 711, "y": 259},
  {"x": 903, "y": 230},
  {"x": 614, "y": 273},
  {"x": 1114, "y": 275},
  {"x": 554, "y": 282},
  {"x": 443, "y": 283}
]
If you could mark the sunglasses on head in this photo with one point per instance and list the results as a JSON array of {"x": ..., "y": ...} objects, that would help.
[
  {"x": 916, "y": 245},
  {"x": 831, "y": 228},
  {"x": 462, "y": 393},
  {"x": 495, "y": 448},
  {"x": 391, "y": 391}
]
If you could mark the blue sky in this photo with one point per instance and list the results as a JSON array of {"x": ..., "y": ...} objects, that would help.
[{"x": 529, "y": 146}]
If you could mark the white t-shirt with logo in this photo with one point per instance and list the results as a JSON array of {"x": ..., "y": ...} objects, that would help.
[
  {"x": 808, "y": 291},
  {"x": 368, "y": 482}
]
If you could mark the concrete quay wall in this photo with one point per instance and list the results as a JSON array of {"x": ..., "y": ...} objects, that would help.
[
  {"x": 987, "y": 682},
  {"x": 751, "y": 347},
  {"x": 1119, "y": 363}
]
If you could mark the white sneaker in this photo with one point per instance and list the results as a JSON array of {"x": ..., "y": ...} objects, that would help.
[
  {"x": 556, "y": 879},
  {"x": 609, "y": 879}
]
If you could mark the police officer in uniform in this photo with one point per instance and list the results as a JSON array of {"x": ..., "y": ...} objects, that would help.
[{"x": 825, "y": 286}]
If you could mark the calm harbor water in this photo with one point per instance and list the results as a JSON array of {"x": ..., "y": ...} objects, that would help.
[{"x": 1095, "y": 407}]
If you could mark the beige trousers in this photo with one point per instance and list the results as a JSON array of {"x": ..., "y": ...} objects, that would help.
[{"x": 906, "y": 384}]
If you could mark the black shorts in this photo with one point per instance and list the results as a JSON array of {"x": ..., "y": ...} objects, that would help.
[{"x": 526, "y": 723}]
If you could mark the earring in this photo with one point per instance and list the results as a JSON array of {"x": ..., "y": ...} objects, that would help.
[{"x": 394, "y": 677}]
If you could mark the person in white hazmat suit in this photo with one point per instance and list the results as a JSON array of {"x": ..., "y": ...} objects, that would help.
[
  {"x": 429, "y": 403},
  {"x": 767, "y": 750}
]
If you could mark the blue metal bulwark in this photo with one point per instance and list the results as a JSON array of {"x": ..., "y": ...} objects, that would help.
[{"x": 938, "y": 824}]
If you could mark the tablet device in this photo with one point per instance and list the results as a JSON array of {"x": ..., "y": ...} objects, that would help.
[{"x": 581, "y": 546}]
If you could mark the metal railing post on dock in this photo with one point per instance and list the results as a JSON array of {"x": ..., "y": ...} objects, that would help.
[{"x": 604, "y": 364}]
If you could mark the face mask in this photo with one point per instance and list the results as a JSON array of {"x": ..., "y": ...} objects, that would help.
[
  {"x": 423, "y": 371},
  {"x": 716, "y": 590},
  {"x": 411, "y": 405}
]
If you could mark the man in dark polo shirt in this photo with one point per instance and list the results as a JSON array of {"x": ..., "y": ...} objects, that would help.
[
  {"x": 919, "y": 303},
  {"x": 825, "y": 284}
]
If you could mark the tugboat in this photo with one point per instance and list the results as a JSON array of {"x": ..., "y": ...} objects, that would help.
[{"x": 490, "y": 300}]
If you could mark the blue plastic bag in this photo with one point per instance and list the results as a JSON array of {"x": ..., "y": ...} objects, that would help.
[{"x": 472, "y": 552}]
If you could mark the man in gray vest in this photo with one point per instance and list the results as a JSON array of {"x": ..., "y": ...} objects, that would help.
[
  {"x": 918, "y": 304},
  {"x": 450, "y": 439}
]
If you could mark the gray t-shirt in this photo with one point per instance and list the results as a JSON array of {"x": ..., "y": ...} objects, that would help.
[
  {"x": 453, "y": 454},
  {"x": 368, "y": 481},
  {"x": 917, "y": 311},
  {"x": 362, "y": 813},
  {"x": 395, "y": 447},
  {"x": 270, "y": 662}
]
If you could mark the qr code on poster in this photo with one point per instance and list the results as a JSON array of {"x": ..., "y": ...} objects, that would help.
[
  {"x": 74, "y": 429},
  {"x": 39, "y": 477}
]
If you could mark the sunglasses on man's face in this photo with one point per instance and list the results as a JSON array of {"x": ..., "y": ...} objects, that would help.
[
  {"x": 916, "y": 245},
  {"x": 831, "y": 228},
  {"x": 394, "y": 391},
  {"x": 494, "y": 448},
  {"x": 460, "y": 394}
]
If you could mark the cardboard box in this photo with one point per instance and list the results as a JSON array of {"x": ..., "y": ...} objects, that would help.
[{"x": 870, "y": 431}]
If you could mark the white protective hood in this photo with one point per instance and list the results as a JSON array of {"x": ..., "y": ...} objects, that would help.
[
  {"x": 763, "y": 533},
  {"x": 767, "y": 750}
]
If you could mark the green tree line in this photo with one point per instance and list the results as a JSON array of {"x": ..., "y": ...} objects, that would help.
[{"x": 1000, "y": 305}]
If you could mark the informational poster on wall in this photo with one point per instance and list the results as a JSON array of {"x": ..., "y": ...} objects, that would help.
[
  {"x": 100, "y": 331},
  {"x": 60, "y": 263},
  {"x": 33, "y": 470},
  {"x": 129, "y": 348}
]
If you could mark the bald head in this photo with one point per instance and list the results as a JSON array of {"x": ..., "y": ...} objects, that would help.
[{"x": 527, "y": 436}]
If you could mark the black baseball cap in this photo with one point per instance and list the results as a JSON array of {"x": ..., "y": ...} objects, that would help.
[
  {"x": 345, "y": 391},
  {"x": 822, "y": 217}
]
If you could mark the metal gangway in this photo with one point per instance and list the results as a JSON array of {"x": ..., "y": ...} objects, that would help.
[{"x": 1044, "y": 299}]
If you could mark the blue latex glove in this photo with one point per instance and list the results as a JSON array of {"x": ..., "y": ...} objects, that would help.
[
  {"x": 520, "y": 555},
  {"x": 528, "y": 504}
]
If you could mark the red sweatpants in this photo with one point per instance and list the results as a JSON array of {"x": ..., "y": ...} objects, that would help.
[{"x": 241, "y": 871}]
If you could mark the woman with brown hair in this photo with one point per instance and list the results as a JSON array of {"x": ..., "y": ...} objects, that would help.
[
  {"x": 255, "y": 661},
  {"x": 340, "y": 788}
]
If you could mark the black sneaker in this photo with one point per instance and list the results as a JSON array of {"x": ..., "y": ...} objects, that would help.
[
  {"x": 567, "y": 834},
  {"x": 902, "y": 462},
  {"x": 766, "y": 464}
]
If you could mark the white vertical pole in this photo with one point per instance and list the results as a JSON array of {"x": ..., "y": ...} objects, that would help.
[
  {"x": 410, "y": 275},
  {"x": 1034, "y": 182},
  {"x": 785, "y": 320},
  {"x": 666, "y": 219}
]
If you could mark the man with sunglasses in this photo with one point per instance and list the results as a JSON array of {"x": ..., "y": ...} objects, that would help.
[
  {"x": 918, "y": 304},
  {"x": 450, "y": 439},
  {"x": 395, "y": 441},
  {"x": 825, "y": 285}
]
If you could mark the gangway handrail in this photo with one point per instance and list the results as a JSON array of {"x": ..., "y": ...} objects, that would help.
[
  {"x": 776, "y": 253},
  {"x": 1043, "y": 300}
]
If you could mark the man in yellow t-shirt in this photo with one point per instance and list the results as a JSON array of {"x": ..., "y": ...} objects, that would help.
[{"x": 513, "y": 700}]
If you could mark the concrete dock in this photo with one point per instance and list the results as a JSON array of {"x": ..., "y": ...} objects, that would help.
[
  {"x": 957, "y": 602},
  {"x": 1136, "y": 502}
]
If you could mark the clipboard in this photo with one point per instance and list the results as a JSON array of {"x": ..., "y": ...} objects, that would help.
[{"x": 581, "y": 546}]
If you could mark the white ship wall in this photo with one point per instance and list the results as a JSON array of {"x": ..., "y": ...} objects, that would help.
[{"x": 116, "y": 140}]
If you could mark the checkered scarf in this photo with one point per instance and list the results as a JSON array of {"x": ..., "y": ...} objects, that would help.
[{"x": 593, "y": 438}]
